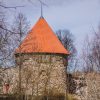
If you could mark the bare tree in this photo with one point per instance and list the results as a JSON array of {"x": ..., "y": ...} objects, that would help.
[
  {"x": 91, "y": 53},
  {"x": 20, "y": 27},
  {"x": 67, "y": 39},
  {"x": 5, "y": 35},
  {"x": 87, "y": 56},
  {"x": 91, "y": 65},
  {"x": 3, "y": 38},
  {"x": 96, "y": 50}
]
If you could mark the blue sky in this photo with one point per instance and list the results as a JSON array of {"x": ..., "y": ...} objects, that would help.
[{"x": 78, "y": 16}]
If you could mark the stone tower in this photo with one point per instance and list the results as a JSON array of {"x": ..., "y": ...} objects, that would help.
[{"x": 43, "y": 57}]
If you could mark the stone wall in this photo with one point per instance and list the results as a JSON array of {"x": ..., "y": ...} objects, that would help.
[
  {"x": 42, "y": 73},
  {"x": 8, "y": 76},
  {"x": 87, "y": 85}
]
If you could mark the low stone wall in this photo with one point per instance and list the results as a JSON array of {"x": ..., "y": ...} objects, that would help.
[{"x": 87, "y": 86}]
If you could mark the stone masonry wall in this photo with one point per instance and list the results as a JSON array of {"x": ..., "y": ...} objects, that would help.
[{"x": 43, "y": 73}]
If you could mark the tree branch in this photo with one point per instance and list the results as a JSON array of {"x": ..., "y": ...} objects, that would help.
[
  {"x": 12, "y": 7},
  {"x": 7, "y": 29}
]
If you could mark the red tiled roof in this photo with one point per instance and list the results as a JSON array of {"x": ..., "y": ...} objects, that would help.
[{"x": 41, "y": 39}]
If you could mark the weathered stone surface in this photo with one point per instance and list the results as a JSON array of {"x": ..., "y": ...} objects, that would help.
[
  {"x": 40, "y": 74},
  {"x": 88, "y": 86}
]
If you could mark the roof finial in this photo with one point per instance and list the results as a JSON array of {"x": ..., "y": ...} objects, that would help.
[
  {"x": 41, "y": 10},
  {"x": 42, "y": 4}
]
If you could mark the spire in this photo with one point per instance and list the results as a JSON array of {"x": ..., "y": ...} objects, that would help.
[
  {"x": 42, "y": 4},
  {"x": 41, "y": 11}
]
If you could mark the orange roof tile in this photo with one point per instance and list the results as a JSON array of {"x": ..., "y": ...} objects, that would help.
[{"x": 41, "y": 39}]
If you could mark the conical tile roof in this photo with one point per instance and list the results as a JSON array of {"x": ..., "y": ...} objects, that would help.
[{"x": 41, "y": 39}]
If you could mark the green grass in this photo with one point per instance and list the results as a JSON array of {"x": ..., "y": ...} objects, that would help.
[{"x": 71, "y": 97}]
